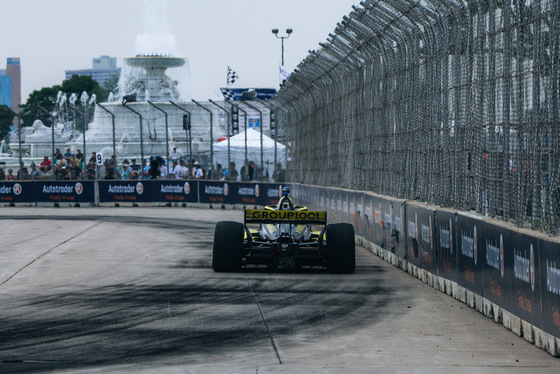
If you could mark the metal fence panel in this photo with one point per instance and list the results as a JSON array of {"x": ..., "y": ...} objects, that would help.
[{"x": 452, "y": 102}]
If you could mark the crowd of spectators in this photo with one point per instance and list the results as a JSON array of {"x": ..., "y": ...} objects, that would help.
[{"x": 70, "y": 166}]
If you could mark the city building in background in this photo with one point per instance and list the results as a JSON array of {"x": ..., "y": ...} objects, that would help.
[
  {"x": 10, "y": 85},
  {"x": 102, "y": 69},
  {"x": 5, "y": 89}
]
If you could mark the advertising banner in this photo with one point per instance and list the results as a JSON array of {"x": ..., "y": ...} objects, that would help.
[
  {"x": 217, "y": 192},
  {"x": 497, "y": 263},
  {"x": 446, "y": 244},
  {"x": 259, "y": 194},
  {"x": 386, "y": 223},
  {"x": 126, "y": 191},
  {"x": 470, "y": 254},
  {"x": 17, "y": 192},
  {"x": 549, "y": 276},
  {"x": 177, "y": 191},
  {"x": 398, "y": 236},
  {"x": 359, "y": 216},
  {"x": 522, "y": 276},
  {"x": 421, "y": 238},
  {"x": 65, "y": 191},
  {"x": 270, "y": 194}
]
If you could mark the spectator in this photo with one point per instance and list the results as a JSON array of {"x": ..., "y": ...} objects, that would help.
[
  {"x": 91, "y": 170},
  {"x": 93, "y": 157},
  {"x": 212, "y": 172},
  {"x": 75, "y": 169},
  {"x": 218, "y": 173},
  {"x": 173, "y": 157},
  {"x": 10, "y": 176},
  {"x": 247, "y": 171},
  {"x": 35, "y": 172},
  {"x": 162, "y": 169},
  {"x": 134, "y": 166},
  {"x": 57, "y": 156},
  {"x": 59, "y": 171},
  {"x": 80, "y": 157},
  {"x": 181, "y": 171},
  {"x": 145, "y": 174},
  {"x": 155, "y": 168},
  {"x": 110, "y": 171},
  {"x": 231, "y": 173},
  {"x": 22, "y": 173},
  {"x": 279, "y": 175},
  {"x": 134, "y": 169},
  {"x": 45, "y": 165},
  {"x": 197, "y": 171},
  {"x": 68, "y": 156},
  {"x": 126, "y": 171},
  {"x": 2, "y": 175}
]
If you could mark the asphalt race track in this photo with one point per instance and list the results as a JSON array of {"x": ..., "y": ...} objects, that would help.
[{"x": 128, "y": 290}]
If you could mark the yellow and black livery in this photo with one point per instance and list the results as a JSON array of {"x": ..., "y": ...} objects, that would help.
[{"x": 284, "y": 236}]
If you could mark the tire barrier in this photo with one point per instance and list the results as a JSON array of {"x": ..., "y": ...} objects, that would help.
[
  {"x": 509, "y": 274},
  {"x": 140, "y": 191}
]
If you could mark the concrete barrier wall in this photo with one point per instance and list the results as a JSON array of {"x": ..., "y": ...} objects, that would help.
[{"x": 509, "y": 274}]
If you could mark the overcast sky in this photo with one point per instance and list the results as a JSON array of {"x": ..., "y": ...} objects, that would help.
[{"x": 51, "y": 36}]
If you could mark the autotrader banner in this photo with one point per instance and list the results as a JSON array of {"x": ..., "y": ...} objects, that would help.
[
  {"x": 550, "y": 286},
  {"x": 421, "y": 237},
  {"x": 258, "y": 194},
  {"x": 497, "y": 263},
  {"x": 126, "y": 191},
  {"x": 179, "y": 191},
  {"x": 217, "y": 192},
  {"x": 522, "y": 274},
  {"x": 17, "y": 192},
  {"x": 469, "y": 253},
  {"x": 65, "y": 192},
  {"x": 446, "y": 244}
]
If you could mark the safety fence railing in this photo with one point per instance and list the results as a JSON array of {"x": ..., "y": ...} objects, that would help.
[
  {"x": 451, "y": 102},
  {"x": 216, "y": 135}
]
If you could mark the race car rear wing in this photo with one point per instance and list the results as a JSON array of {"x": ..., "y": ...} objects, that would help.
[{"x": 298, "y": 217}]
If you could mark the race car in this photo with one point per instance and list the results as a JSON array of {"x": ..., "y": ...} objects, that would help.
[{"x": 284, "y": 236}]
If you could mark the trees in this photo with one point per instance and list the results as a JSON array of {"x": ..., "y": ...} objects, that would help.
[
  {"x": 6, "y": 118},
  {"x": 46, "y": 97}
]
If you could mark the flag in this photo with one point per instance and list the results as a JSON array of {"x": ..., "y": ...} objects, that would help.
[
  {"x": 231, "y": 76},
  {"x": 283, "y": 74}
]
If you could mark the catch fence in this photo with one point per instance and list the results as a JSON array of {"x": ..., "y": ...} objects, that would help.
[{"x": 455, "y": 103}]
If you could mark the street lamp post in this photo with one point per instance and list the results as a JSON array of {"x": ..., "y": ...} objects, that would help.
[{"x": 288, "y": 31}]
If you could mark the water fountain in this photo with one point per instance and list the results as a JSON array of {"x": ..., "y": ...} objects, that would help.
[{"x": 145, "y": 90}]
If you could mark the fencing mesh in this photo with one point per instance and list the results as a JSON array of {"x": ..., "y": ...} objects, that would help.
[{"x": 451, "y": 102}]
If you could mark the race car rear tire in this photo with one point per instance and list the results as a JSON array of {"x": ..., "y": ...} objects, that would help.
[
  {"x": 341, "y": 248},
  {"x": 228, "y": 245}
]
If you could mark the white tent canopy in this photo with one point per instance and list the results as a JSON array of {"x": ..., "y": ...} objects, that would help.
[{"x": 237, "y": 151}]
